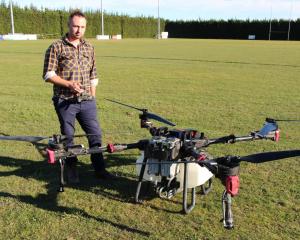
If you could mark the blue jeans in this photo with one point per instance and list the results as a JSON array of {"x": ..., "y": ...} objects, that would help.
[{"x": 86, "y": 114}]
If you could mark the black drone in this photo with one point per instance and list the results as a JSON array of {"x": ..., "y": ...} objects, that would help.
[{"x": 174, "y": 160}]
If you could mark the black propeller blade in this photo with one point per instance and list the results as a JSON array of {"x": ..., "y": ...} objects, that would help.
[
  {"x": 281, "y": 120},
  {"x": 35, "y": 139},
  {"x": 146, "y": 113},
  {"x": 31, "y": 139},
  {"x": 123, "y": 104},
  {"x": 269, "y": 156},
  {"x": 160, "y": 119}
]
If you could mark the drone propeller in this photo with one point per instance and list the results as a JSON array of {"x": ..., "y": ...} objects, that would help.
[
  {"x": 281, "y": 120},
  {"x": 31, "y": 139},
  {"x": 269, "y": 156},
  {"x": 35, "y": 139},
  {"x": 159, "y": 119},
  {"x": 234, "y": 161},
  {"x": 146, "y": 113}
]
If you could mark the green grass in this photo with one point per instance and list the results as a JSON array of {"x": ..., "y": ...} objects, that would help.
[{"x": 218, "y": 87}]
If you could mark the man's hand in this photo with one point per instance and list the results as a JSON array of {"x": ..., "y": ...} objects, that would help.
[{"x": 75, "y": 87}]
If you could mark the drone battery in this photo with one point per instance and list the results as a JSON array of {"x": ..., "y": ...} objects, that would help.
[
  {"x": 232, "y": 185},
  {"x": 51, "y": 156}
]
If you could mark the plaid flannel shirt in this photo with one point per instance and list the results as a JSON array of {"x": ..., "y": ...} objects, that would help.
[{"x": 71, "y": 63}]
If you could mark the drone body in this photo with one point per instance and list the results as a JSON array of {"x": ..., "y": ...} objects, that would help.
[{"x": 175, "y": 160}]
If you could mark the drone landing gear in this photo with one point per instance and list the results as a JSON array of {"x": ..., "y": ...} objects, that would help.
[
  {"x": 185, "y": 207},
  {"x": 227, "y": 213},
  {"x": 61, "y": 175},
  {"x": 138, "y": 189},
  {"x": 206, "y": 189}
]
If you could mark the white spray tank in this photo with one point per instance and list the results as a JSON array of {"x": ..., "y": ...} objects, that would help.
[{"x": 197, "y": 175}]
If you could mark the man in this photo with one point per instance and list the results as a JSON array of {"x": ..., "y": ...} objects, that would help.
[{"x": 70, "y": 66}]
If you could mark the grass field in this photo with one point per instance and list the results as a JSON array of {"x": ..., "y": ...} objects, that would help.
[{"x": 218, "y": 87}]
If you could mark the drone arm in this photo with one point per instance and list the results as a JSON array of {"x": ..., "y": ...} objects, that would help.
[
  {"x": 268, "y": 131},
  {"x": 226, "y": 139},
  {"x": 111, "y": 148},
  {"x": 274, "y": 136},
  {"x": 77, "y": 150}
]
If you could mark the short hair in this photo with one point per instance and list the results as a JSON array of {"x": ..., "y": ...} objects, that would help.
[{"x": 77, "y": 13}]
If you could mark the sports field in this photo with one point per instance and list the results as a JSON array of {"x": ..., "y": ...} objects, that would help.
[{"x": 218, "y": 87}]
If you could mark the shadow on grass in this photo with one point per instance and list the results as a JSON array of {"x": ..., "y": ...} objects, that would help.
[
  {"x": 123, "y": 189},
  {"x": 42, "y": 171},
  {"x": 125, "y": 184},
  {"x": 42, "y": 201}
]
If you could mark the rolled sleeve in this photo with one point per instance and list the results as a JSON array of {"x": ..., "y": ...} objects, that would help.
[
  {"x": 49, "y": 74},
  {"x": 51, "y": 61},
  {"x": 94, "y": 82}
]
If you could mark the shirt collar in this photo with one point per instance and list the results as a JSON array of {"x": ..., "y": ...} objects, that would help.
[{"x": 66, "y": 40}]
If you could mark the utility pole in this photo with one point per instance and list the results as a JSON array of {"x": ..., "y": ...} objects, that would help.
[
  {"x": 270, "y": 28},
  {"x": 289, "y": 29},
  {"x": 12, "y": 18},
  {"x": 158, "y": 21},
  {"x": 102, "y": 22}
]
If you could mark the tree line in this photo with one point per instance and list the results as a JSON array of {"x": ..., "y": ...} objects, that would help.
[
  {"x": 234, "y": 29},
  {"x": 53, "y": 23},
  {"x": 50, "y": 23}
]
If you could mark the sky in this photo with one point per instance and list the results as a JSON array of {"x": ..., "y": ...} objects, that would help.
[{"x": 182, "y": 10}]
